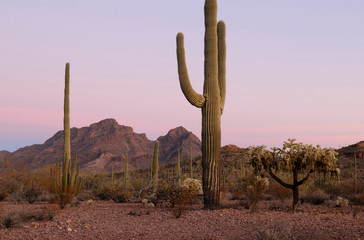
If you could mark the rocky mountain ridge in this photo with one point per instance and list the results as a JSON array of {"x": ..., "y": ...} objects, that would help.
[{"x": 103, "y": 145}]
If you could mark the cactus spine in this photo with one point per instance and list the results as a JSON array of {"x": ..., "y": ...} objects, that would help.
[
  {"x": 211, "y": 102},
  {"x": 178, "y": 170},
  {"x": 155, "y": 167},
  {"x": 126, "y": 173}
]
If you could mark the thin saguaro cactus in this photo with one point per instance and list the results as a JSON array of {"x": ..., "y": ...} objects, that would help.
[
  {"x": 112, "y": 174},
  {"x": 191, "y": 166},
  {"x": 211, "y": 102},
  {"x": 65, "y": 181},
  {"x": 178, "y": 170},
  {"x": 126, "y": 172},
  {"x": 155, "y": 167},
  {"x": 66, "y": 126}
]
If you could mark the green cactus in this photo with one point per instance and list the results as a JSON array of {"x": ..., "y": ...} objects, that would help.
[
  {"x": 112, "y": 174},
  {"x": 155, "y": 168},
  {"x": 211, "y": 102},
  {"x": 126, "y": 173},
  {"x": 178, "y": 170},
  {"x": 191, "y": 167},
  {"x": 223, "y": 179},
  {"x": 68, "y": 190},
  {"x": 242, "y": 169},
  {"x": 65, "y": 181},
  {"x": 66, "y": 127}
]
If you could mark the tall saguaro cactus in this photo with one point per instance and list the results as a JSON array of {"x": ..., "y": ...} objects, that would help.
[
  {"x": 65, "y": 180},
  {"x": 66, "y": 127},
  {"x": 211, "y": 102}
]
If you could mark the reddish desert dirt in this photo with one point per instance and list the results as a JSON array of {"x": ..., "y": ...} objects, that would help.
[{"x": 109, "y": 220}]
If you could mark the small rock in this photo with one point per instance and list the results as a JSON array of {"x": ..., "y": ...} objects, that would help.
[{"x": 69, "y": 229}]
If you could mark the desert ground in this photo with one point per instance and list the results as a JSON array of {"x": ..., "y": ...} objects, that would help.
[{"x": 110, "y": 220}]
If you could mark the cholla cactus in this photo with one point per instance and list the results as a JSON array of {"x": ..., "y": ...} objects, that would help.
[
  {"x": 193, "y": 185},
  {"x": 295, "y": 158},
  {"x": 341, "y": 202},
  {"x": 145, "y": 202}
]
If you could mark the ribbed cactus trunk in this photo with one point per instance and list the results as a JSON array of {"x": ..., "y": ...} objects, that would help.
[
  {"x": 112, "y": 174},
  {"x": 178, "y": 170},
  {"x": 126, "y": 173},
  {"x": 155, "y": 167},
  {"x": 191, "y": 166},
  {"x": 211, "y": 102},
  {"x": 66, "y": 129}
]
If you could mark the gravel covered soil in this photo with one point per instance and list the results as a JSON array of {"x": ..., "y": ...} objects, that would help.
[{"x": 109, "y": 220}]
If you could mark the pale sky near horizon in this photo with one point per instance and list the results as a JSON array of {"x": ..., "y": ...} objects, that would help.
[{"x": 295, "y": 69}]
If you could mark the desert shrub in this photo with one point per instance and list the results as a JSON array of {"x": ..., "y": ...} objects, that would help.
[
  {"x": 290, "y": 232},
  {"x": 139, "y": 185},
  {"x": 85, "y": 195},
  {"x": 92, "y": 182},
  {"x": 3, "y": 192},
  {"x": 254, "y": 187},
  {"x": 280, "y": 192},
  {"x": 334, "y": 190},
  {"x": 280, "y": 205},
  {"x": 31, "y": 191},
  {"x": 235, "y": 187},
  {"x": 345, "y": 189},
  {"x": 359, "y": 199},
  {"x": 316, "y": 197},
  {"x": 113, "y": 192},
  {"x": 10, "y": 181},
  {"x": 177, "y": 199},
  {"x": 13, "y": 219},
  {"x": 10, "y": 220}
]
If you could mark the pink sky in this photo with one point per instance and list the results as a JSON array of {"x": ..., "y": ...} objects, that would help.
[{"x": 294, "y": 68}]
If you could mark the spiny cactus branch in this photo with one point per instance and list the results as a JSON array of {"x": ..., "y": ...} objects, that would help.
[
  {"x": 191, "y": 95},
  {"x": 221, "y": 35}
]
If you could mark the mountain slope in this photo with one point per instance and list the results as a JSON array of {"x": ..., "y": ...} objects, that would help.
[{"x": 104, "y": 144}]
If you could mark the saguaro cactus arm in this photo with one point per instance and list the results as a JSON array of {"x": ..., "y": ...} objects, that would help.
[
  {"x": 221, "y": 33},
  {"x": 191, "y": 95}
]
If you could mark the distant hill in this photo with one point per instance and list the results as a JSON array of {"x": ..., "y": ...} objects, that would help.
[
  {"x": 103, "y": 145},
  {"x": 357, "y": 148},
  {"x": 4, "y": 154}
]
